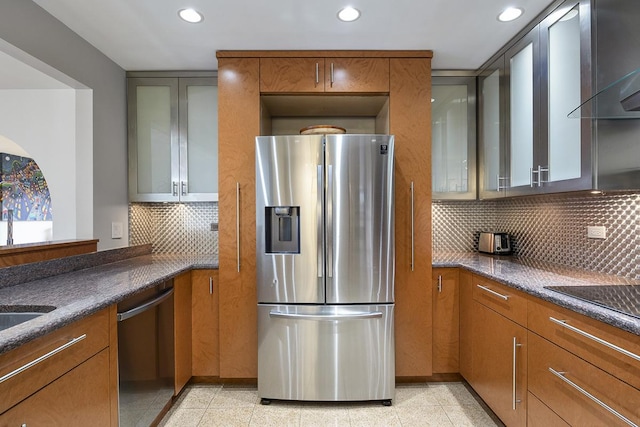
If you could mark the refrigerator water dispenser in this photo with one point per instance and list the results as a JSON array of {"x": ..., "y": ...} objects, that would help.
[{"x": 282, "y": 229}]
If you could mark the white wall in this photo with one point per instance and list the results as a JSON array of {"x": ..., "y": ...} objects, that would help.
[
  {"x": 30, "y": 28},
  {"x": 43, "y": 123}
]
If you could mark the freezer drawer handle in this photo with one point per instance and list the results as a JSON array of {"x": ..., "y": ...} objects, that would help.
[
  {"x": 327, "y": 317},
  {"x": 563, "y": 377}
]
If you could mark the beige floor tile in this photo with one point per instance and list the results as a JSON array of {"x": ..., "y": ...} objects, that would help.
[
  {"x": 324, "y": 416},
  {"x": 227, "y": 417},
  {"x": 374, "y": 416},
  {"x": 276, "y": 415},
  {"x": 414, "y": 396},
  {"x": 452, "y": 394},
  {"x": 179, "y": 417},
  {"x": 469, "y": 415},
  {"x": 423, "y": 416},
  {"x": 235, "y": 397},
  {"x": 198, "y": 397}
]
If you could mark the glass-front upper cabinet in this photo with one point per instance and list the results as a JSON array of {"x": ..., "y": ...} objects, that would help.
[
  {"x": 565, "y": 39},
  {"x": 524, "y": 119},
  {"x": 453, "y": 123},
  {"x": 491, "y": 141},
  {"x": 173, "y": 139}
]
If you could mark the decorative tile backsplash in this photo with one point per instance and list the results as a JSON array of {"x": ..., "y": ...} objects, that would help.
[
  {"x": 551, "y": 228},
  {"x": 174, "y": 227}
]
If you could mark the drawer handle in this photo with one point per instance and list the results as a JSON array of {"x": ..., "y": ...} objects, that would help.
[
  {"x": 484, "y": 288},
  {"x": 564, "y": 324},
  {"x": 42, "y": 358},
  {"x": 562, "y": 376}
]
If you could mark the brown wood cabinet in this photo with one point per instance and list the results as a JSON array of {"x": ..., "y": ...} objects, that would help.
[
  {"x": 539, "y": 414},
  {"x": 205, "y": 321},
  {"x": 500, "y": 364},
  {"x": 78, "y": 398},
  {"x": 446, "y": 321},
  {"x": 242, "y": 76},
  {"x": 182, "y": 329},
  {"x": 465, "y": 279},
  {"x": 77, "y": 382}
]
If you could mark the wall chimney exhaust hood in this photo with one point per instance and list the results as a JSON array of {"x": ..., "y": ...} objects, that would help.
[{"x": 617, "y": 100}]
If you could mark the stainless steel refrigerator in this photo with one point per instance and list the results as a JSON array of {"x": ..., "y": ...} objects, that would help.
[{"x": 325, "y": 267}]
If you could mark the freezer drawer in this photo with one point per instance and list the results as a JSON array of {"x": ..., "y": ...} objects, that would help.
[{"x": 326, "y": 353}]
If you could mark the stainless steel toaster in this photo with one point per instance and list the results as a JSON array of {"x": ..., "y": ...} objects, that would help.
[{"x": 494, "y": 243}]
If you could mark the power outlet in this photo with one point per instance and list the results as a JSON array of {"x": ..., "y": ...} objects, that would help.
[
  {"x": 596, "y": 232},
  {"x": 116, "y": 230}
]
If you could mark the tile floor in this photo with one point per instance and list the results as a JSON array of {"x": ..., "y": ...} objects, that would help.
[{"x": 432, "y": 404}]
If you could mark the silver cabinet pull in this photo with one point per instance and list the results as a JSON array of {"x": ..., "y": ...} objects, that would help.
[
  {"x": 317, "y": 73},
  {"x": 621, "y": 350},
  {"x": 502, "y": 179},
  {"x": 439, "y": 283},
  {"x": 515, "y": 364},
  {"x": 494, "y": 293},
  {"x": 42, "y": 358},
  {"x": 183, "y": 185},
  {"x": 238, "y": 224},
  {"x": 413, "y": 252},
  {"x": 531, "y": 180},
  {"x": 175, "y": 188},
  {"x": 563, "y": 377},
  {"x": 320, "y": 234},
  {"x": 210, "y": 285},
  {"x": 327, "y": 317},
  {"x": 332, "y": 74}
]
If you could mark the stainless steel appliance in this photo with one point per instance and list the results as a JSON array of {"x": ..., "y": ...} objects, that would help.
[
  {"x": 494, "y": 243},
  {"x": 325, "y": 267},
  {"x": 146, "y": 368}
]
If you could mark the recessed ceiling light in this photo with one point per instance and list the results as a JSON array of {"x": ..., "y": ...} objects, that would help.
[
  {"x": 348, "y": 14},
  {"x": 190, "y": 15},
  {"x": 510, "y": 13}
]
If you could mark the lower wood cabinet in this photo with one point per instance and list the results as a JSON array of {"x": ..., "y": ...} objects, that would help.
[
  {"x": 539, "y": 414},
  {"x": 205, "y": 323},
  {"x": 78, "y": 398},
  {"x": 500, "y": 364},
  {"x": 182, "y": 329},
  {"x": 465, "y": 281},
  {"x": 446, "y": 321}
]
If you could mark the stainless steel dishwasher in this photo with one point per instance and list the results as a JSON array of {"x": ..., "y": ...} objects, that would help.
[{"x": 146, "y": 368}]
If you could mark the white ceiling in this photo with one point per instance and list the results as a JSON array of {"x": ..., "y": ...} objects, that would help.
[{"x": 148, "y": 35}]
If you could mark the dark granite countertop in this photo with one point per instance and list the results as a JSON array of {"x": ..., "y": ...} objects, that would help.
[
  {"x": 530, "y": 277},
  {"x": 79, "y": 293}
]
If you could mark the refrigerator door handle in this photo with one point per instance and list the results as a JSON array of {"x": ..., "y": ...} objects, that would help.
[
  {"x": 327, "y": 317},
  {"x": 329, "y": 241},
  {"x": 320, "y": 234}
]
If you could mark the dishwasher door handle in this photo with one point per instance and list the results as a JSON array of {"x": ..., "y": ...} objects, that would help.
[{"x": 145, "y": 306}]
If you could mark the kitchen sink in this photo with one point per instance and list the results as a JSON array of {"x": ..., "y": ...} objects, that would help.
[{"x": 15, "y": 315}]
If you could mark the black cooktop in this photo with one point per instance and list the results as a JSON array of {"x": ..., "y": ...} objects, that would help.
[{"x": 622, "y": 298}]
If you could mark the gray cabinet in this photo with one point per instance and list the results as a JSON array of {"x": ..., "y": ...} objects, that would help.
[
  {"x": 453, "y": 126},
  {"x": 173, "y": 139}
]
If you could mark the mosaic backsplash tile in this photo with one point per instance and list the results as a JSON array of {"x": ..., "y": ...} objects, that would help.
[
  {"x": 175, "y": 227},
  {"x": 550, "y": 228}
]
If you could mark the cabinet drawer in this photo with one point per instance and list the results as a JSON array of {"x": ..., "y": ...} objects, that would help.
[
  {"x": 503, "y": 299},
  {"x": 539, "y": 414},
  {"x": 57, "y": 352},
  {"x": 564, "y": 382},
  {"x": 609, "y": 348}
]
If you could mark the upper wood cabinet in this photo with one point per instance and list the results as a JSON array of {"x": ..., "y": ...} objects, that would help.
[{"x": 311, "y": 75}]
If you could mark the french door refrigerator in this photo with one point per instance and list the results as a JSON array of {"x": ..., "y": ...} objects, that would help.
[{"x": 325, "y": 267}]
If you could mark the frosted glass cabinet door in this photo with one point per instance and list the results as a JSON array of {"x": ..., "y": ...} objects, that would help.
[
  {"x": 492, "y": 179},
  {"x": 198, "y": 139},
  {"x": 453, "y": 138},
  {"x": 523, "y": 114},
  {"x": 153, "y": 139}
]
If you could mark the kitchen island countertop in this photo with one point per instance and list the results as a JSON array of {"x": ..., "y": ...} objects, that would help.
[{"x": 531, "y": 277}]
